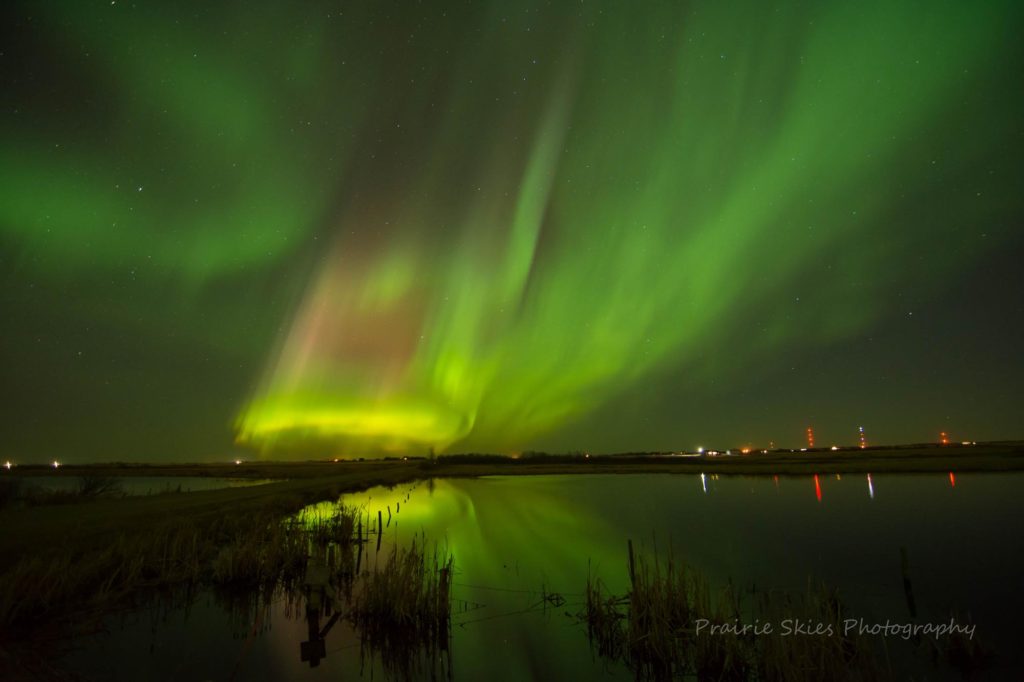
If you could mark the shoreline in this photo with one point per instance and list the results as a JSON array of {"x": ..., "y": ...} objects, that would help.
[
  {"x": 998, "y": 456},
  {"x": 91, "y": 523}
]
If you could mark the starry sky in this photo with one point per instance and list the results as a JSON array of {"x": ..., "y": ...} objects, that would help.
[{"x": 365, "y": 228}]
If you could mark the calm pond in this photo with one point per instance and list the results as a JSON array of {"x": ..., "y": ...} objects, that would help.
[{"x": 523, "y": 547}]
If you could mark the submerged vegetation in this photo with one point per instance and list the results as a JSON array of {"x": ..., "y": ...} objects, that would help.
[
  {"x": 94, "y": 485},
  {"x": 406, "y": 598},
  {"x": 313, "y": 558},
  {"x": 673, "y": 624},
  {"x": 241, "y": 550},
  {"x": 404, "y": 609},
  {"x": 89, "y": 486}
]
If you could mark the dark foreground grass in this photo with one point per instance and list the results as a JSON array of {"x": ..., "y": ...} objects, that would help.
[
  {"x": 401, "y": 608},
  {"x": 63, "y": 559},
  {"x": 247, "y": 551},
  {"x": 86, "y": 524},
  {"x": 403, "y": 611},
  {"x": 673, "y": 625}
]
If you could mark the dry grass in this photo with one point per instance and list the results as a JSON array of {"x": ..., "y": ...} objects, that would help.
[
  {"x": 242, "y": 551},
  {"x": 811, "y": 657},
  {"x": 660, "y": 629},
  {"x": 92, "y": 485},
  {"x": 403, "y": 610}
]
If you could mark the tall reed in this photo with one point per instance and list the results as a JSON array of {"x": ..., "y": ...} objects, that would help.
[
  {"x": 403, "y": 610},
  {"x": 242, "y": 551},
  {"x": 661, "y": 629}
]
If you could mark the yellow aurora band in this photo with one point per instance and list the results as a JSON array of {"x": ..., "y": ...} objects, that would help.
[{"x": 584, "y": 211}]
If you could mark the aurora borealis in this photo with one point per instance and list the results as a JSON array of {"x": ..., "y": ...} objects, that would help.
[{"x": 366, "y": 228}]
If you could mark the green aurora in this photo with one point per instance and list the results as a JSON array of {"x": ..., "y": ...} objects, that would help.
[{"x": 363, "y": 228}]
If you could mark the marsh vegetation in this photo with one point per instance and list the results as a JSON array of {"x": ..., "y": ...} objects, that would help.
[
  {"x": 351, "y": 576},
  {"x": 673, "y": 624},
  {"x": 312, "y": 558}
]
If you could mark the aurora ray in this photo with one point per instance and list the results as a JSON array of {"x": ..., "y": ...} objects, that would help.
[
  {"x": 657, "y": 172},
  {"x": 366, "y": 227}
]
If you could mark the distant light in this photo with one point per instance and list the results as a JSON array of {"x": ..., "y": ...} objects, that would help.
[
  {"x": 7, "y": 465},
  {"x": 803, "y": 449},
  {"x": 764, "y": 452},
  {"x": 728, "y": 452},
  {"x": 966, "y": 442},
  {"x": 335, "y": 459},
  {"x": 56, "y": 464},
  {"x": 700, "y": 450},
  {"x": 834, "y": 448},
  {"x": 745, "y": 451},
  {"x": 238, "y": 461},
  {"x": 586, "y": 456}
]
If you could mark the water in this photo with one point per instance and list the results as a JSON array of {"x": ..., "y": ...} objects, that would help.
[
  {"x": 517, "y": 539},
  {"x": 144, "y": 485}
]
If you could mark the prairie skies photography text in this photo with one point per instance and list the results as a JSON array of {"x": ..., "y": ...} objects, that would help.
[{"x": 795, "y": 626}]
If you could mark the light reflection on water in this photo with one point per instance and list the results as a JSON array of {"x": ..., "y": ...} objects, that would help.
[{"x": 517, "y": 540}]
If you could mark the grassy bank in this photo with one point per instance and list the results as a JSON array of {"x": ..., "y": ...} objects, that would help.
[
  {"x": 96, "y": 521},
  {"x": 401, "y": 607}
]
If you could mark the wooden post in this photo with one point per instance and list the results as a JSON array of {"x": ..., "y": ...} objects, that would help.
[
  {"x": 632, "y": 566},
  {"x": 907, "y": 589}
]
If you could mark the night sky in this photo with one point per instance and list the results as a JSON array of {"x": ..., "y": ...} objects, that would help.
[{"x": 326, "y": 228}]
